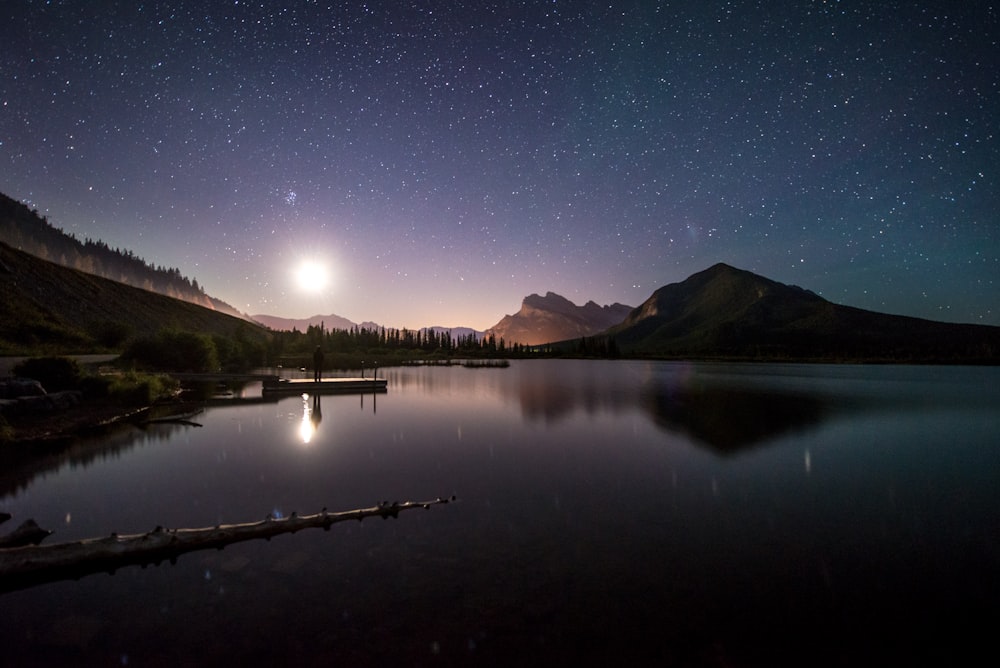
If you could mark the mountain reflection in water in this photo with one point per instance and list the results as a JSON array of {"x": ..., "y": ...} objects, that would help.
[
  {"x": 722, "y": 415},
  {"x": 727, "y": 419}
]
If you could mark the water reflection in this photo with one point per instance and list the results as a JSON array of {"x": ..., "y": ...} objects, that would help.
[
  {"x": 20, "y": 466},
  {"x": 710, "y": 406},
  {"x": 374, "y": 402},
  {"x": 550, "y": 393},
  {"x": 721, "y": 407},
  {"x": 312, "y": 415},
  {"x": 590, "y": 528},
  {"x": 730, "y": 418}
]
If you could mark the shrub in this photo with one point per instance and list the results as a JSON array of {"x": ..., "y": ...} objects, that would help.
[
  {"x": 173, "y": 350},
  {"x": 6, "y": 432},
  {"x": 111, "y": 334},
  {"x": 95, "y": 387},
  {"x": 141, "y": 389},
  {"x": 54, "y": 373}
]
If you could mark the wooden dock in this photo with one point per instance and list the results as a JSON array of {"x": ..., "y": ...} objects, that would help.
[{"x": 276, "y": 385}]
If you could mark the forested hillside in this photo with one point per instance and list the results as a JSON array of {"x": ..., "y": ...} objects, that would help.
[
  {"x": 48, "y": 308},
  {"x": 23, "y": 229}
]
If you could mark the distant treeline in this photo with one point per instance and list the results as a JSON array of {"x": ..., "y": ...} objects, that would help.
[
  {"x": 386, "y": 345},
  {"x": 177, "y": 350},
  {"x": 25, "y": 229},
  {"x": 344, "y": 348}
]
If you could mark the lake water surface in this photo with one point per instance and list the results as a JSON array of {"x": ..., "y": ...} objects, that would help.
[{"x": 658, "y": 513}]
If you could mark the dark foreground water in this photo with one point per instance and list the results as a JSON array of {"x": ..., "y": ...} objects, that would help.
[{"x": 608, "y": 512}]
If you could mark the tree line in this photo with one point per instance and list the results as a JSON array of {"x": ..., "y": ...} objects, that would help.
[
  {"x": 175, "y": 350},
  {"x": 390, "y": 343},
  {"x": 342, "y": 348}
]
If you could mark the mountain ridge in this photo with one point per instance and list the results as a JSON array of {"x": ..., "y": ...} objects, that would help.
[
  {"x": 721, "y": 312},
  {"x": 333, "y": 321},
  {"x": 24, "y": 229},
  {"x": 552, "y": 318},
  {"x": 45, "y": 305},
  {"x": 732, "y": 312},
  {"x": 279, "y": 323}
]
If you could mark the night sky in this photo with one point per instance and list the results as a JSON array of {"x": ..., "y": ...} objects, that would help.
[{"x": 442, "y": 160}]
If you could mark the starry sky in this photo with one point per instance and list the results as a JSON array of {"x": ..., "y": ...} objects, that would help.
[{"x": 439, "y": 161}]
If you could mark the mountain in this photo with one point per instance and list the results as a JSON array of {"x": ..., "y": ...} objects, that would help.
[
  {"x": 23, "y": 229},
  {"x": 456, "y": 332},
  {"x": 280, "y": 324},
  {"x": 46, "y": 305},
  {"x": 333, "y": 321},
  {"x": 555, "y": 318},
  {"x": 729, "y": 312}
]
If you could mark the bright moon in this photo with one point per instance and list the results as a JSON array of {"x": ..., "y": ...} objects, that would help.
[{"x": 311, "y": 276}]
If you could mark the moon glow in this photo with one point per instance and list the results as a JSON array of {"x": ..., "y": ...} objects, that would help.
[{"x": 311, "y": 276}]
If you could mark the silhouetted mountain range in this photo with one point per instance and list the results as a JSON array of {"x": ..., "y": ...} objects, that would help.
[
  {"x": 719, "y": 312},
  {"x": 729, "y": 312},
  {"x": 280, "y": 324},
  {"x": 334, "y": 321},
  {"x": 555, "y": 318},
  {"x": 23, "y": 229}
]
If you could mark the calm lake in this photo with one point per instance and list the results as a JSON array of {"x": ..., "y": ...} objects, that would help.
[{"x": 607, "y": 512}]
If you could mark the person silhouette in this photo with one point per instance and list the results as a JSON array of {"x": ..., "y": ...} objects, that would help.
[{"x": 318, "y": 364}]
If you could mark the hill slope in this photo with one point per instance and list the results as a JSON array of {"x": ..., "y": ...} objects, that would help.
[
  {"x": 25, "y": 230},
  {"x": 555, "y": 318},
  {"x": 44, "y": 304},
  {"x": 730, "y": 312}
]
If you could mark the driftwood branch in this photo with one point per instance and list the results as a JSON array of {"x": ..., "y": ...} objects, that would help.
[
  {"x": 29, "y": 533},
  {"x": 184, "y": 419},
  {"x": 23, "y": 567}
]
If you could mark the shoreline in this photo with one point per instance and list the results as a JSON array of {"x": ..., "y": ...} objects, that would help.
[{"x": 60, "y": 427}]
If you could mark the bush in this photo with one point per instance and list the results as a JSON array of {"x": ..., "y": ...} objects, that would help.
[
  {"x": 141, "y": 389},
  {"x": 173, "y": 350},
  {"x": 95, "y": 387},
  {"x": 110, "y": 334},
  {"x": 54, "y": 373}
]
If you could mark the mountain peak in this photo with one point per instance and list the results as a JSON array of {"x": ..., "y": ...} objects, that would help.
[
  {"x": 550, "y": 300},
  {"x": 733, "y": 312},
  {"x": 555, "y": 318},
  {"x": 720, "y": 267},
  {"x": 719, "y": 270}
]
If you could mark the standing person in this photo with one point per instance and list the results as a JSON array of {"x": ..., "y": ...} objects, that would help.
[{"x": 318, "y": 364}]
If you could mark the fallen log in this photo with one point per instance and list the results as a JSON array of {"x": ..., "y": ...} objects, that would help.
[
  {"x": 23, "y": 567},
  {"x": 184, "y": 419}
]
